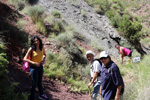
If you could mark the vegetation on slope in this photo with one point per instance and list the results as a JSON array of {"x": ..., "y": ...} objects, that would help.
[
  {"x": 118, "y": 11},
  {"x": 67, "y": 66},
  {"x": 138, "y": 76},
  {"x": 7, "y": 89}
]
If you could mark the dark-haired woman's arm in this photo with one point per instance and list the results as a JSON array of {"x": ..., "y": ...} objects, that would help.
[{"x": 28, "y": 60}]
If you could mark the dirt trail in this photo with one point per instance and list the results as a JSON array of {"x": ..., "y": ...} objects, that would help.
[{"x": 52, "y": 88}]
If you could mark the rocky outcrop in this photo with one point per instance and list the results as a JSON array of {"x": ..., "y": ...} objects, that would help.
[{"x": 83, "y": 18}]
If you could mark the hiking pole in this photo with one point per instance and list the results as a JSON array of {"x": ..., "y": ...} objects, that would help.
[{"x": 89, "y": 93}]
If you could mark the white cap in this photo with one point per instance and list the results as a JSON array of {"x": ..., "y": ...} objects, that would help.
[
  {"x": 104, "y": 54},
  {"x": 90, "y": 52}
]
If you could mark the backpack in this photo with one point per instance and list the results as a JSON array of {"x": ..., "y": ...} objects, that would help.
[
  {"x": 99, "y": 74},
  {"x": 25, "y": 65}
]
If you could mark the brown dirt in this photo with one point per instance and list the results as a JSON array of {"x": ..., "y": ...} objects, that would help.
[{"x": 54, "y": 89}]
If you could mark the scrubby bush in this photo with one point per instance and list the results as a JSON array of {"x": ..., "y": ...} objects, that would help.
[
  {"x": 67, "y": 63},
  {"x": 20, "y": 23},
  {"x": 128, "y": 25},
  {"x": 133, "y": 35},
  {"x": 18, "y": 4},
  {"x": 6, "y": 89},
  {"x": 37, "y": 15},
  {"x": 3, "y": 60},
  {"x": 56, "y": 14}
]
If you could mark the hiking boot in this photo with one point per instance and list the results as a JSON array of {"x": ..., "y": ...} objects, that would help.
[{"x": 43, "y": 97}]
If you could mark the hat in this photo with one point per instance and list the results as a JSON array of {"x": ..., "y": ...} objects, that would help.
[
  {"x": 90, "y": 52},
  {"x": 104, "y": 54}
]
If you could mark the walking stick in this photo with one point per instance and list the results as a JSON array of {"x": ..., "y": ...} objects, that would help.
[{"x": 89, "y": 93}]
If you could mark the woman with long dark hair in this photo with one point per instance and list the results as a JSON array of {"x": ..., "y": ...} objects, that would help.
[{"x": 37, "y": 58}]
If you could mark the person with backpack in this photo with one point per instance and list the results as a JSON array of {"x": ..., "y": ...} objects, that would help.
[
  {"x": 124, "y": 52},
  {"x": 95, "y": 68},
  {"x": 112, "y": 85},
  {"x": 37, "y": 58}
]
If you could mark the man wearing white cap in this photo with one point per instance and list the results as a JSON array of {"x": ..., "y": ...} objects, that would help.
[
  {"x": 95, "y": 69},
  {"x": 112, "y": 85}
]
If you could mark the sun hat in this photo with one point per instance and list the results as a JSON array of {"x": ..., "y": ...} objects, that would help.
[
  {"x": 90, "y": 52},
  {"x": 104, "y": 54}
]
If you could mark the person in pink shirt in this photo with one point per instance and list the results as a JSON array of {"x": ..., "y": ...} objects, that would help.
[{"x": 124, "y": 52}]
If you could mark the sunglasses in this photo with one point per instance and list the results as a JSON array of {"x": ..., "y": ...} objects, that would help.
[{"x": 103, "y": 58}]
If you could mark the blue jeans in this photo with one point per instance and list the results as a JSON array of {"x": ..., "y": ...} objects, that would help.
[
  {"x": 36, "y": 76},
  {"x": 96, "y": 90}
]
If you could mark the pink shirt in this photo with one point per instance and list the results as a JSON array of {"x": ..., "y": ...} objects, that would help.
[{"x": 126, "y": 51}]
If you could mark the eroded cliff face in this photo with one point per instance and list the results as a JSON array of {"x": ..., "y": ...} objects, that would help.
[{"x": 82, "y": 17}]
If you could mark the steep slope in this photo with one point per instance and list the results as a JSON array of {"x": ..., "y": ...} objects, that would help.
[
  {"x": 83, "y": 18},
  {"x": 55, "y": 90}
]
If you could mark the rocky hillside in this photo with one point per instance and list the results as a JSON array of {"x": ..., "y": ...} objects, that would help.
[{"x": 96, "y": 28}]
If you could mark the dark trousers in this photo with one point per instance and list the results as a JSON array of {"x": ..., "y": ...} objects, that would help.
[{"x": 36, "y": 76}]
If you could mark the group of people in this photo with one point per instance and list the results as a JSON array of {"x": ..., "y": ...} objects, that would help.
[
  {"x": 105, "y": 77},
  {"x": 105, "y": 74}
]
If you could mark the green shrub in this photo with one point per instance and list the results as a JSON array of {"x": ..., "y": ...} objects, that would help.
[
  {"x": 104, "y": 4},
  {"x": 133, "y": 33},
  {"x": 56, "y": 14},
  {"x": 36, "y": 13},
  {"x": 3, "y": 60},
  {"x": 98, "y": 9},
  {"x": 20, "y": 23},
  {"x": 128, "y": 25},
  {"x": 63, "y": 39},
  {"x": 115, "y": 6},
  {"x": 66, "y": 64},
  {"x": 18, "y": 4},
  {"x": 6, "y": 89},
  {"x": 83, "y": 12},
  {"x": 40, "y": 27}
]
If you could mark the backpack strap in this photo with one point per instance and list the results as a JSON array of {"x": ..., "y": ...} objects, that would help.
[{"x": 99, "y": 70}]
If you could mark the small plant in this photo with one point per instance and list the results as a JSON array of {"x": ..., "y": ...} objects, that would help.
[
  {"x": 56, "y": 14},
  {"x": 18, "y": 4},
  {"x": 36, "y": 13},
  {"x": 83, "y": 13},
  {"x": 20, "y": 23},
  {"x": 98, "y": 9},
  {"x": 63, "y": 39},
  {"x": 40, "y": 27}
]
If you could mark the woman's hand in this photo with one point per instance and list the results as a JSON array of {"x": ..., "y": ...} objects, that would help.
[{"x": 36, "y": 64}]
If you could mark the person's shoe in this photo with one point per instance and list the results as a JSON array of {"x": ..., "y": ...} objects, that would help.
[{"x": 43, "y": 97}]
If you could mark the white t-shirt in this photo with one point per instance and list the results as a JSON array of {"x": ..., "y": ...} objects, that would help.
[{"x": 95, "y": 67}]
